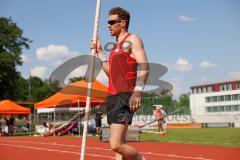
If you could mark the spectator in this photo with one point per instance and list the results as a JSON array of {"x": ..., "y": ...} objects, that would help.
[
  {"x": 11, "y": 125},
  {"x": 45, "y": 127},
  {"x": 0, "y": 128},
  {"x": 28, "y": 123},
  {"x": 98, "y": 119},
  {"x": 7, "y": 124}
]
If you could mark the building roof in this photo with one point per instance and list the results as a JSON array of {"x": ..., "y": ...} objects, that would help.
[{"x": 216, "y": 83}]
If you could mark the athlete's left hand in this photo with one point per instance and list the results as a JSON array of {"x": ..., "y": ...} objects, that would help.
[{"x": 135, "y": 100}]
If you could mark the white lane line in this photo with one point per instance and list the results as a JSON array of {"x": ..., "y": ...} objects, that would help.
[
  {"x": 175, "y": 156},
  {"x": 55, "y": 150},
  {"x": 57, "y": 144},
  {"x": 96, "y": 148}
]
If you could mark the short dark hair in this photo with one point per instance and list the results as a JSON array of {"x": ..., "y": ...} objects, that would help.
[{"x": 122, "y": 14}]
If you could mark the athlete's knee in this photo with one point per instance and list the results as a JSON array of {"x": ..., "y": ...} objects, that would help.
[{"x": 115, "y": 146}]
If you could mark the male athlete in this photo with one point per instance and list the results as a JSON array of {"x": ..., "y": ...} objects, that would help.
[{"x": 125, "y": 88}]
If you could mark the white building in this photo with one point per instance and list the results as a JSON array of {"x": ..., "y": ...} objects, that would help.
[{"x": 216, "y": 103}]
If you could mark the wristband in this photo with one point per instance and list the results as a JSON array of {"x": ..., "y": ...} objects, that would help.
[{"x": 139, "y": 86}]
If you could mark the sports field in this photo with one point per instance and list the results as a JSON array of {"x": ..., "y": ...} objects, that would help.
[
  {"x": 204, "y": 136},
  {"x": 177, "y": 144}
]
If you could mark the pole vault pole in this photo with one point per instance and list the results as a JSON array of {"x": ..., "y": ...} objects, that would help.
[{"x": 90, "y": 79}]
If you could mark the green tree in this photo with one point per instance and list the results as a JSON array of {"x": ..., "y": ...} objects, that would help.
[
  {"x": 75, "y": 79},
  {"x": 149, "y": 100},
  {"x": 40, "y": 89},
  {"x": 22, "y": 90},
  {"x": 167, "y": 102},
  {"x": 11, "y": 44},
  {"x": 184, "y": 104}
]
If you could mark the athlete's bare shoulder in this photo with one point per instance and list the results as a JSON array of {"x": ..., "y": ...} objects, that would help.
[
  {"x": 135, "y": 41},
  {"x": 134, "y": 37}
]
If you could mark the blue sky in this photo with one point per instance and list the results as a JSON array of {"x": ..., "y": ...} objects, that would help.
[{"x": 199, "y": 41}]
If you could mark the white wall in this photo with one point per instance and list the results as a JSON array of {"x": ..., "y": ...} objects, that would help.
[{"x": 198, "y": 108}]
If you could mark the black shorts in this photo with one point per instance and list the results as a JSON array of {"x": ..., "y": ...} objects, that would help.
[
  {"x": 98, "y": 122},
  {"x": 118, "y": 110}
]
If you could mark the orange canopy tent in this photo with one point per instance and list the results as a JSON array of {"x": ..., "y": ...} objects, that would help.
[
  {"x": 9, "y": 107},
  {"x": 74, "y": 94}
]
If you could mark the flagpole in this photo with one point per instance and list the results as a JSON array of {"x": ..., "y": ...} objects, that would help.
[
  {"x": 30, "y": 99},
  {"x": 90, "y": 79}
]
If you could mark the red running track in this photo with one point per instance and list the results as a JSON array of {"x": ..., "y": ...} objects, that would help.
[{"x": 68, "y": 148}]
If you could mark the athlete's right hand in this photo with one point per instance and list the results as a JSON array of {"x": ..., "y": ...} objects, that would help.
[
  {"x": 135, "y": 101},
  {"x": 97, "y": 46}
]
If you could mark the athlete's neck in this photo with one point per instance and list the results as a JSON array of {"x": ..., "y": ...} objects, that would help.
[{"x": 121, "y": 36}]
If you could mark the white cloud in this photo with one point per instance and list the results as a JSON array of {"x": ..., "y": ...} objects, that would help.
[
  {"x": 54, "y": 53},
  {"x": 25, "y": 58},
  {"x": 183, "y": 65},
  {"x": 39, "y": 71},
  {"x": 234, "y": 75},
  {"x": 207, "y": 64},
  {"x": 184, "y": 18}
]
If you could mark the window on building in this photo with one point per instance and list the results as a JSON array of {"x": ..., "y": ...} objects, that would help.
[
  {"x": 226, "y": 87},
  {"x": 222, "y": 87},
  {"x": 208, "y": 99},
  {"x": 214, "y": 99},
  {"x": 221, "y": 108},
  {"x": 229, "y": 87},
  {"x": 208, "y": 109},
  {"x": 220, "y": 98},
  {"x": 215, "y": 109},
  {"x": 227, "y": 108},
  {"x": 209, "y": 89},
  {"x": 195, "y": 90},
  {"x": 228, "y": 98},
  {"x": 238, "y": 85},
  {"x": 204, "y": 89},
  {"x": 230, "y": 108},
  {"x": 234, "y": 108},
  {"x": 199, "y": 90},
  {"x": 235, "y": 97}
]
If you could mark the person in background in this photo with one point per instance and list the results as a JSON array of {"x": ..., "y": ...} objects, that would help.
[
  {"x": 161, "y": 119},
  {"x": 0, "y": 126},
  {"x": 11, "y": 125},
  {"x": 98, "y": 119},
  {"x": 27, "y": 120},
  {"x": 7, "y": 124}
]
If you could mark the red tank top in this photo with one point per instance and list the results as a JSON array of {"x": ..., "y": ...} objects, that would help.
[{"x": 122, "y": 70}]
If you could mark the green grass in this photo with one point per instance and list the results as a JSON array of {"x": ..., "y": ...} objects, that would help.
[{"x": 204, "y": 136}]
